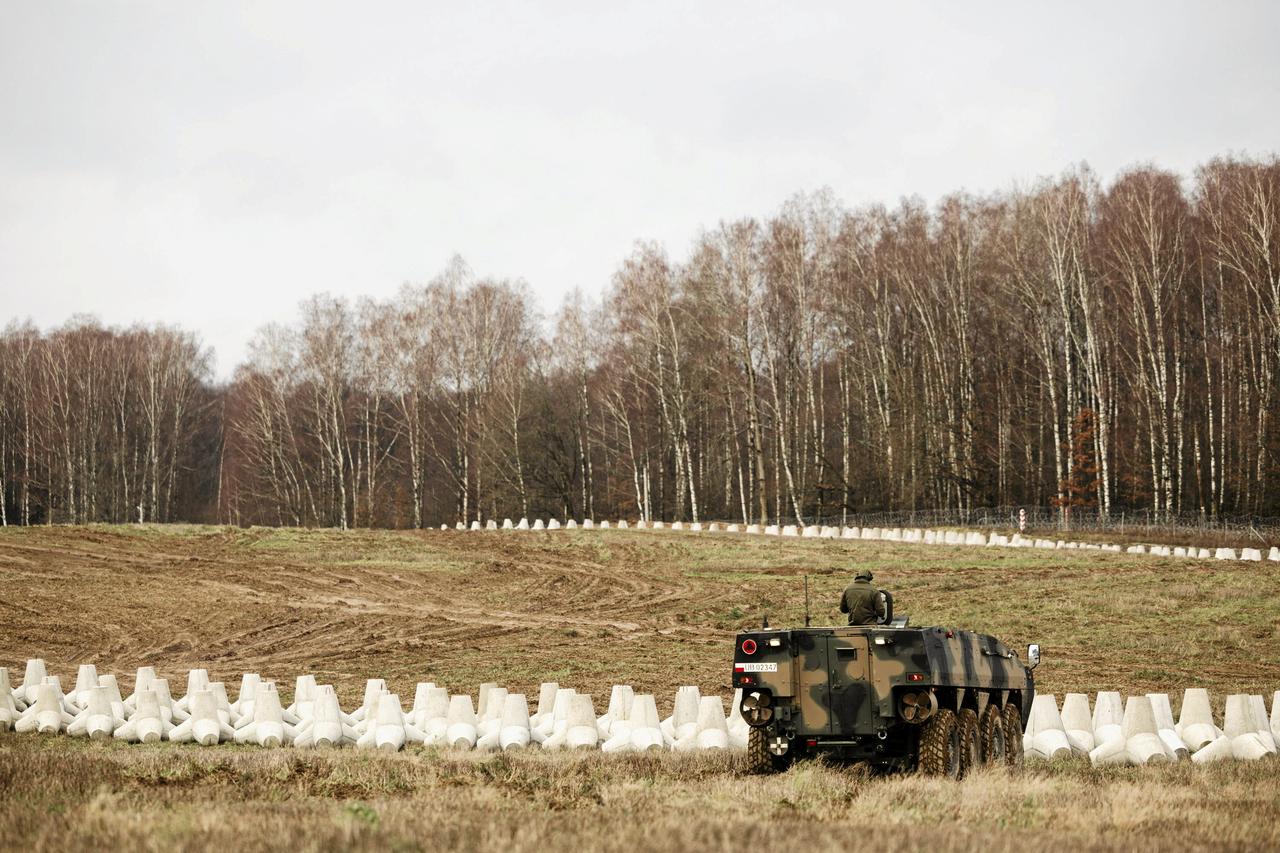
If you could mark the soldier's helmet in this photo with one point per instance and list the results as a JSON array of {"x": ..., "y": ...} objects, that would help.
[{"x": 864, "y": 574}]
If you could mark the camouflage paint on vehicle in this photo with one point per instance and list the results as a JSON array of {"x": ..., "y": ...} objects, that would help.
[{"x": 840, "y": 686}]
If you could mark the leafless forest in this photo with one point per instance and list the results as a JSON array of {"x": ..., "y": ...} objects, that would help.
[{"x": 1062, "y": 345}]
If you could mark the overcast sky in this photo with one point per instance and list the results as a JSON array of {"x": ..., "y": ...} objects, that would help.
[{"x": 211, "y": 164}]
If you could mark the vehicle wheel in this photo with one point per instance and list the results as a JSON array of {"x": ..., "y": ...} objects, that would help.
[
  {"x": 992, "y": 731},
  {"x": 940, "y": 745},
  {"x": 970, "y": 750},
  {"x": 1012, "y": 735},
  {"x": 760, "y": 759}
]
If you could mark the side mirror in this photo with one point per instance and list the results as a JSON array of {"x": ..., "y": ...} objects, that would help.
[
  {"x": 1033, "y": 655},
  {"x": 885, "y": 599}
]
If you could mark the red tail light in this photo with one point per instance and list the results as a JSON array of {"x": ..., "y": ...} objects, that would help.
[
  {"x": 748, "y": 646},
  {"x": 915, "y": 676}
]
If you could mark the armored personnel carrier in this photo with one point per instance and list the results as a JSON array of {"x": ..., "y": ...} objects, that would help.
[{"x": 937, "y": 700}]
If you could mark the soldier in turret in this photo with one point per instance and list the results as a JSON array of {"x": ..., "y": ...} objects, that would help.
[{"x": 861, "y": 600}]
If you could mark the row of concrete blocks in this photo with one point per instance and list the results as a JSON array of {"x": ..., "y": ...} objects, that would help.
[
  {"x": 890, "y": 534},
  {"x": 206, "y": 716},
  {"x": 1143, "y": 731}
]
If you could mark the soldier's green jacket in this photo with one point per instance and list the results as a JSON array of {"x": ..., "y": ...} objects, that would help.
[{"x": 859, "y": 601}]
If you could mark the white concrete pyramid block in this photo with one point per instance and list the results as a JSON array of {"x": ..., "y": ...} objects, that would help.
[
  {"x": 142, "y": 680},
  {"x": 8, "y": 706},
  {"x": 1141, "y": 738},
  {"x": 656, "y": 525},
  {"x": 739, "y": 731},
  {"x": 34, "y": 676},
  {"x": 86, "y": 680},
  {"x": 197, "y": 679},
  {"x": 165, "y": 699},
  {"x": 204, "y": 726},
  {"x": 538, "y": 525},
  {"x": 461, "y": 732},
  {"x": 1224, "y": 554},
  {"x": 604, "y": 525},
  {"x": 373, "y": 690},
  {"x": 851, "y": 533},
  {"x": 1135, "y": 549},
  {"x": 514, "y": 731},
  {"x": 974, "y": 538},
  {"x": 871, "y": 533},
  {"x": 444, "y": 526},
  {"x": 46, "y": 714},
  {"x": 732, "y": 528},
  {"x": 1161, "y": 550},
  {"x": 1275, "y": 716},
  {"x": 1203, "y": 554},
  {"x": 553, "y": 731},
  {"x": 96, "y": 721},
  {"x": 491, "y": 524},
  {"x": 461, "y": 525},
  {"x": 571, "y": 524},
  {"x": 1045, "y": 736},
  {"x": 1195, "y": 721},
  {"x": 622, "y": 524},
  {"x": 546, "y": 702},
  {"x": 581, "y": 733},
  {"x": 553, "y": 524},
  {"x": 696, "y": 527},
  {"x": 145, "y": 725},
  {"x": 618, "y": 712},
  {"x": 1258, "y": 714},
  {"x": 325, "y": 727},
  {"x": 1044, "y": 544},
  {"x": 220, "y": 701},
  {"x": 1077, "y": 721},
  {"x": 915, "y": 535},
  {"x": 1251, "y": 555},
  {"x": 753, "y": 528},
  {"x": 790, "y": 530},
  {"x": 713, "y": 527},
  {"x": 523, "y": 525},
  {"x": 713, "y": 730},
  {"x": 433, "y": 718},
  {"x": 108, "y": 682},
  {"x": 1108, "y": 732},
  {"x": 646, "y": 730},
  {"x": 998, "y": 540},
  {"x": 810, "y": 531},
  {"x": 1218, "y": 749},
  {"x": 1239, "y": 725},
  {"x": 1274, "y": 554},
  {"x": 482, "y": 700},
  {"x": 475, "y": 525},
  {"x": 390, "y": 731},
  {"x": 588, "y": 524},
  {"x": 243, "y": 706},
  {"x": 1166, "y": 729},
  {"x": 1179, "y": 551},
  {"x": 489, "y": 723},
  {"x": 772, "y": 530},
  {"x": 930, "y": 537},
  {"x": 681, "y": 728},
  {"x": 507, "y": 525},
  {"x": 268, "y": 727},
  {"x": 304, "y": 695}
]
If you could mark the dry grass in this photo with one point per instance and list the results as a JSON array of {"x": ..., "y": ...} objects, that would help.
[{"x": 590, "y": 608}]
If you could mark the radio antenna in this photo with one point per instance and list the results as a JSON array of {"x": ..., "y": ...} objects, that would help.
[{"x": 806, "y": 601}]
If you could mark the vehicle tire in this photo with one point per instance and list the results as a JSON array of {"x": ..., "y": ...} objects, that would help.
[
  {"x": 760, "y": 759},
  {"x": 1012, "y": 735},
  {"x": 970, "y": 741},
  {"x": 940, "y": 746},
  {"x": 991, "y": 729}
]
